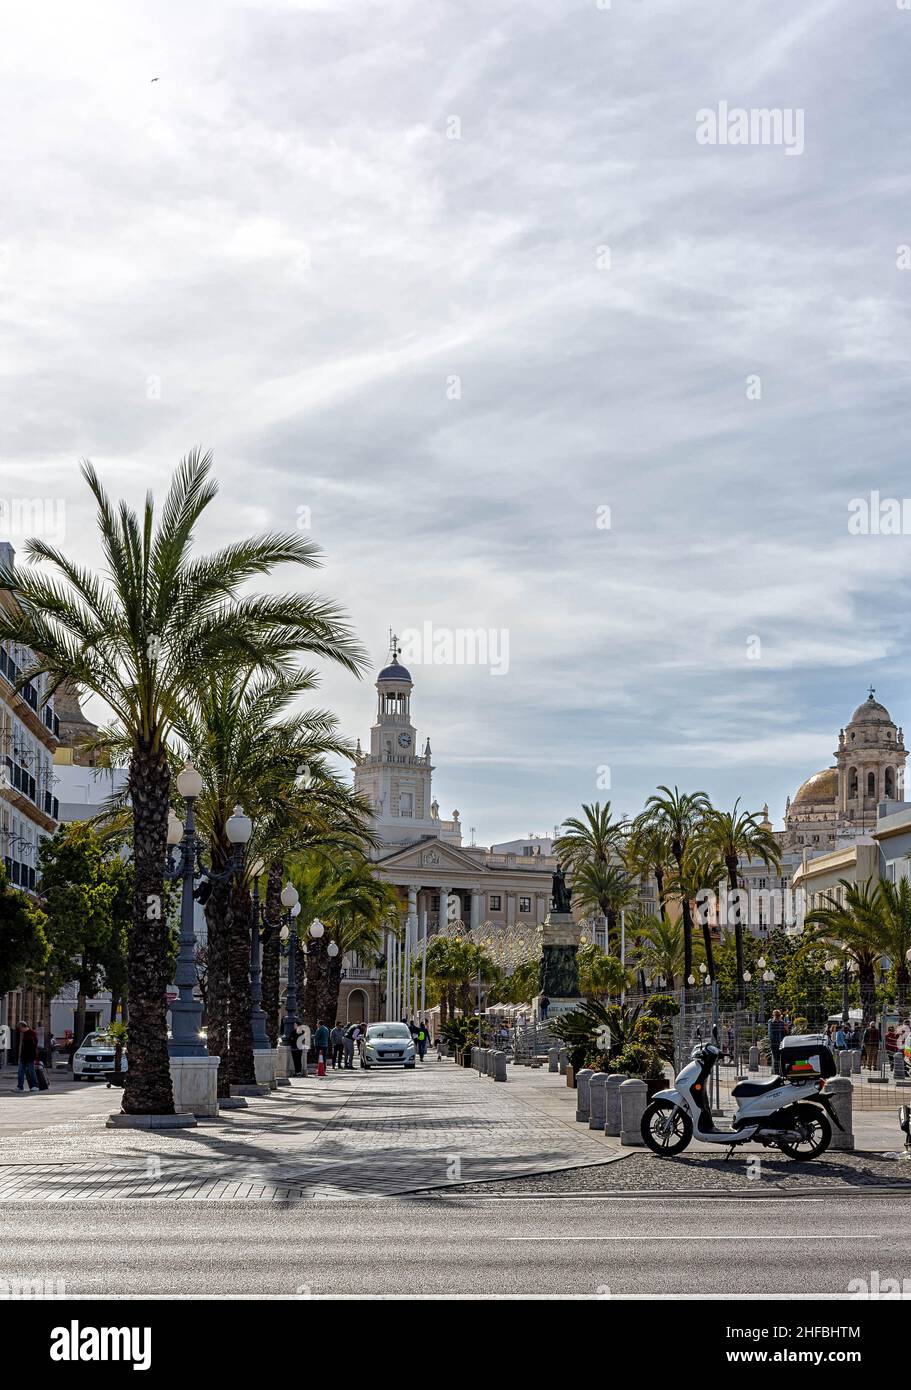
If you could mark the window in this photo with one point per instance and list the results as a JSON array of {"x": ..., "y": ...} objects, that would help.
[
  {"x": 406, "y": 803},
  {"x": 528, "y": 849},
  {"x": 495, "y": 902},
  {"x": 871, "y": 784},
  {"x": 525, "y": 904}
]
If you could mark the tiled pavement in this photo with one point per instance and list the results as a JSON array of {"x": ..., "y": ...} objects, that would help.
[{"x": 348, "y": 1134}]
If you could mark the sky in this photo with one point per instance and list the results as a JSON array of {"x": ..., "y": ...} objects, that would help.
[{"x": 492, "y": 301}]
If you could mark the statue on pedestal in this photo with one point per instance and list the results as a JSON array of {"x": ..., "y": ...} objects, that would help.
[{"x": 560, "y": 895}]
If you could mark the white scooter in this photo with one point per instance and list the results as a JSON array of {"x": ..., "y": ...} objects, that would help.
[{"x": 789, "y": 1111}]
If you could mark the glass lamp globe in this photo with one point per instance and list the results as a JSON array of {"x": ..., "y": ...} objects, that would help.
[
  {"x": 285, "y": 932},
  {"x": 332, "y": 949},
  {"x": 703, "y": 968},
  {"x": 316, "y": 929},
  {"x": 289, "y": 895},
  {"x": 296, "y": 910},
  {"x": 175, "y": 829},
  {"x": 747, "y": 977},
  {"x": 761, "y": 963},
  {"x": 257, "y": 869},
  {"x": 691, "y": 979},
  {"x": 239, "y": 827},
  {"x": 189, "y": 780}
]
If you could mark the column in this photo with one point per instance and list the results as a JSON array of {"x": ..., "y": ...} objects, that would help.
[
  {"x": 510, "y": 909},
  {"x": 424, "y": 962},
  {"x": 475, "y": 908},
  {"x": 443, "y": 917}
]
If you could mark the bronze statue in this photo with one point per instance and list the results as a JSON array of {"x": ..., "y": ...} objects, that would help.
[{"x": 560, "y": 895}]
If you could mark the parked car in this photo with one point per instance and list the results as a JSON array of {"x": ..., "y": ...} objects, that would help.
[
  {"x": 388, "y": 1045},
  {"x": 95, "y": 1057}
]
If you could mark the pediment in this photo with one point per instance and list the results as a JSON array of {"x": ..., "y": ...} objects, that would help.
[{"x": 432, "y": 856}]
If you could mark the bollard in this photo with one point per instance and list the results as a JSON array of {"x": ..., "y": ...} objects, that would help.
[
  {"x": 582, "y": 1095},
  {"x": 842, "y": 1092},
  {"x": 553, "y": 1059},
  {"x": 499, "y": 1066},
  {"x": 612, "y": 1104},
  {"x": 856, "y": 1056},
  {"x": 562, "y": 1060},
  {"x": 898, "y": 1066},
  {"x": 488, "y": 1061},
  {"x": 597, "y": 1101},
  {"x": 844, "y": 1062},
  {"x": 754, "y": 1058},
  {"x": 633, "y": 1100},
  {"x": 474, "y": 1059}
]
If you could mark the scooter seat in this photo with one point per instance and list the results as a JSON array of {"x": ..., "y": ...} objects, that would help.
[{"x": 754, "y": 1088}]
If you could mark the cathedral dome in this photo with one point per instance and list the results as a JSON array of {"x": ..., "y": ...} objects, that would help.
[
  {"x": 395, "y": 672},
  {"x": 871, "y": 712},
  {"x": 822, "y": 786}
]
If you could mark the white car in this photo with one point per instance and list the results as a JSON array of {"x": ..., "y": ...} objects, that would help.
[
  {"x": 96, "y": 1058},
  {"x": 388, "y": 1045}
]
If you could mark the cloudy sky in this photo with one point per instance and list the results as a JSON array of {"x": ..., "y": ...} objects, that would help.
[{"x": 450, "y": 280}]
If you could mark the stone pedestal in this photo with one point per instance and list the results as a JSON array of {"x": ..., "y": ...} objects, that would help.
[
  {"x": 842, "y": 1092},
  {"x": 264, "y": 1066},
  {"x": 562, "y": 1061},
  {"x": 844, "y": 1062},
  {"x": 559, "y": 972},
  {"x": 612, "y": 1104},
  {"x": 754, "y": 1058},
  {"x": 597, "y": 1104},
  {"x": 499, "y": 1066},
  {"x": 121, "y": 1121},
  {"x": 249, "y": 1090},
  {"x": 283, "y": 1065},
  {"x": 195, "y": 1083},
  {"x": 553, "y": 1058},
  {"x": 856, "y": 1057},
  {"x": 633, "y": 1100},
  {"x": 583, "y": 1096}
]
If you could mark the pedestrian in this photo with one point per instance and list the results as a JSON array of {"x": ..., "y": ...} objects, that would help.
[
  {"x": 321, "y": 1041},
  {"x": 421, "y": 1040},
  {"x": 337, "y": 1043},
  {"x": 777, "y": 1030},
  {"x": 544, "y": 1004},
  {"x": 871, "y": 1045},
  {"x": 349, "y": 1045},
  {"x": 28, "y": 1056},
  {"x": 840, "y": 1038}
]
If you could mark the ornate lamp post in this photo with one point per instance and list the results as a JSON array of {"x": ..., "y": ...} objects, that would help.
[
  {"x": 291, "y": 903},
  {"x": 187, "y": 865},
  {"x": 257, "y": 1012}
]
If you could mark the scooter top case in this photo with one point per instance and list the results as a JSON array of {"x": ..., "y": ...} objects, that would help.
[{"x": 805, "y": 1055}]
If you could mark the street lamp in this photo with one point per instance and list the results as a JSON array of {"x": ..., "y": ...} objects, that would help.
[
  {"x": 257, "y": 921},
  {"x": 187, "y": 865},
  {"x": 291, "y": 903}
]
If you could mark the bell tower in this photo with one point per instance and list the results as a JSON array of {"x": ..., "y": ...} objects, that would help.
[{"x": 393, "y": 775}]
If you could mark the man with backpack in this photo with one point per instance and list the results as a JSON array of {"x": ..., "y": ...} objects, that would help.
[{"x": 421, "y": 1040}]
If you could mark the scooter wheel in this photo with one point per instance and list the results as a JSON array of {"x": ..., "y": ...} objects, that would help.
[
  {"x": 815, "y": 1124},
  {"x": 665, "y": 1128}
]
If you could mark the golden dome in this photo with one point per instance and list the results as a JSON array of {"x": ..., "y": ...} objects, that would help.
[{"x": 822, "y": 786}]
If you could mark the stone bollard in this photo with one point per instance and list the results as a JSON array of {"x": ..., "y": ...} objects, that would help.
[
  {"x": 499, "y": 1066},
  {"x": 842, "y": 1092},
  {"x": 633, "y": 1100},
  {"x": 562, "y": 1060},
  {"x": 487, "y": 1064},
  {"x": 553, "y": 1059},
  {"x": 898, "y": 1066},
  {"x": 844, "y": 1062},
  {"x": 612, "y": 1104},
  {"x": 856, "y": 1056},
  {"x": 597, "y": 1101},
  {"x": 474, "y": 1059},
  {"x": 582, "y": 1094},
  {"x": 754, "y": 1058}
]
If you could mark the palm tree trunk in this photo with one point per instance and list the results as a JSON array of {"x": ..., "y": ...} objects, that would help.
[
  {"x": 217, "y": 911},
  {"x": 867, "y": 980},
  {"x": 148, "y": 1089},
  {"x": 241, "y": 1067},
  {"x": 738, "y": 934},
  {"x": 659, "y": 884},
  {"x": 315, "y": 991},
  {"x": 271, "y": 956}
]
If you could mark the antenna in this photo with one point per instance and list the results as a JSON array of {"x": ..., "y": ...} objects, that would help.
[{"x": 472, "y": 835}]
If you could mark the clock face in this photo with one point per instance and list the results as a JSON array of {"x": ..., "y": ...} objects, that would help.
[{"x": 404, "y": 740}]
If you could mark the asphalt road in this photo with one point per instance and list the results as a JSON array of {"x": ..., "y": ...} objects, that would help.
[{"x": 800, "y": 1247}]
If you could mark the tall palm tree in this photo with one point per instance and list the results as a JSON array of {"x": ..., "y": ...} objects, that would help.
[
  {"x": 141, "y": 638},
  {"x": 847, "y": 925},
  {"x": 646, "y": 853},
  {"x": 691, "y": 884},
  {"x": 677, "y": 815},
  {"x": 732, "y": 836},
  {"x": 661, "y": 948},
  {"x": 606, "y": 889},
  {"x": 596, "y": 838}
]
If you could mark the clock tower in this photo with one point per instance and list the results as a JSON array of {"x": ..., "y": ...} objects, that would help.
[{"x": 393, "y": 775}]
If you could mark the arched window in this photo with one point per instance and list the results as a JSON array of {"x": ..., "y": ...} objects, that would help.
[
  {"x": 852, "y": 782},
  {"x": 871, "y": 784},
  {"x": 890, "y": 784}
]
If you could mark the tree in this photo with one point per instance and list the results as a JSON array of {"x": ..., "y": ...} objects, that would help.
[
  {"x": 661, "y": 948},
  {"x": 143, "y": 638},
  {"x": 871, "y": 921},
  {"x": 23, "y": 943},
  {"x": 676, "y": 815},
  {"x": 733, "y": 835},
  {"x": 86, "y": 901},
  {"x": 606, "y": 889},
  {"x": 596, "y": 838},
  {"x": 601, "y": 974},
  {"x": 647, "y": 852}
]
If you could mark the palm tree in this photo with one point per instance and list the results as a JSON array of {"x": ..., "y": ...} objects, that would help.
[
  {"x": 677, "y": 815},
  {"x": 595, "y": 839},
  {"x": 732, "y": 836},
  {"x": 661, "y": 948},
  {"x": 604, "y": 888},
  {"x": 647, "y": 852},
  {"x": 853, "y": 926},
  {"x": 141, "y": 638},
  {"x": 600, "y": 973},
  {"x": 699, "y": 868}
]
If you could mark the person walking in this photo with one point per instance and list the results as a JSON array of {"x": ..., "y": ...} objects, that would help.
[
  {"x": 337, "y": 1043},
  {"x": 321, "y": 1041},
  {"x": 871, "y": 1046},
  {"x": 348, "y": 1045},
  {"x": 777, "y": 1030},
  {"x": 544, "y": 1003},
  {"x": 421, "y": 1041},
  {"x": 841, "y": 1038},
  {"x": 28, "y": 1056}
]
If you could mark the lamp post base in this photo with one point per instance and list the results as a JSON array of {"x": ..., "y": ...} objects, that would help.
[
  {"x": 195, "y": 1083},
  {"x": 264, "y": 1067}
]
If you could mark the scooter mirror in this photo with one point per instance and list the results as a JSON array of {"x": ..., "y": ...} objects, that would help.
[
  {"x": 715, "y": 1031},
  {"x": 699, "y": 1035}
]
